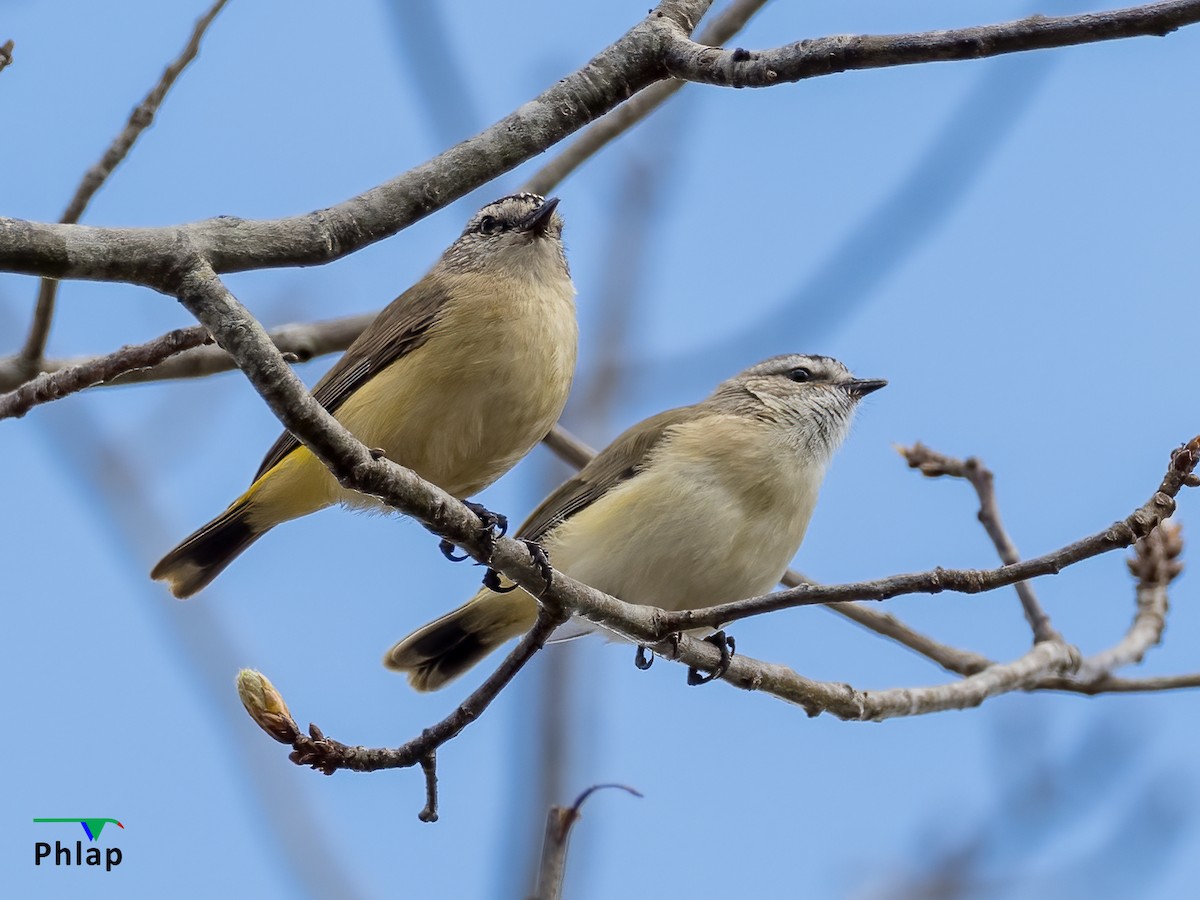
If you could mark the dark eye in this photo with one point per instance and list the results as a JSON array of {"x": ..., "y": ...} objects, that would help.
[
  {"x": 489, "y": 225},
  {"x": 801, "y": 374}
]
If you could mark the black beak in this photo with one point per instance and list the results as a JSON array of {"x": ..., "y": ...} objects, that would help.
[
  {"x": 538, "y": 221},
  {"x": 860, "y": 387}
]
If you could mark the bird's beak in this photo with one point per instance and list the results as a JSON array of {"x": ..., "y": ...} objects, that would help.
[
  {"x": 860, "y": 387},
  {"x": 539, "y": 220}
]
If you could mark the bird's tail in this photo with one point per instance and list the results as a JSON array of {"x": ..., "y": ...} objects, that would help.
[
  {"x": 204, "y": 555},
  {"x": 446, "y": 647}
]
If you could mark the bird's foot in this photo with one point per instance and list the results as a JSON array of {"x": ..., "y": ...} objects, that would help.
[
  {"x": 644, "y": 658},
  {"x": 726, "y": 645},
  {"x": 491, "y": 579},
  {"x": 494, "y": 525}
]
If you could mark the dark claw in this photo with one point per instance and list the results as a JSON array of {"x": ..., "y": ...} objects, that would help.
[
  {"x": 491, "y": 581},
  {"x": 541, "y": 559},
  {"x": 644, "y": 658},
  {"x": 726, "y": 645},
  {"x": 448, "y": 549},
  {"x": 493, "y": 522}
]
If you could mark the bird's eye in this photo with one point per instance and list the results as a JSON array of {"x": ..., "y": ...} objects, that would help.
[
  {"x": 799, "y": 375},
  {"x": 489, "y": 225}
]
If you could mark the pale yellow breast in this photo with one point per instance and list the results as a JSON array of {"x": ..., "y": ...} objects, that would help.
[
  {"x": 486, "y": 386},
  {"x": 717, "y": 516}
]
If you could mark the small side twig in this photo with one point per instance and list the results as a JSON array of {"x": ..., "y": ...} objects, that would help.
[
  {"x": 1155, "y": 564},
  {"x": 429, "y": 768},
  {"x": 935, "y": 465},
  {"x": 94, "y": 178},
  {"x": 269, "y": 711},
  {"x": 55, "y": 385},
  {"x": 559, "y": 822}
]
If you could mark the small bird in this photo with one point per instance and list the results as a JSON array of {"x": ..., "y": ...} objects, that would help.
[
  {"x": 695, "y": 506},
  {"x": 457, "y": 379}
]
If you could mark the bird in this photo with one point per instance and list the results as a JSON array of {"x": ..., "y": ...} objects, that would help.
[
  {"x": 692, "y": 507},
  {"x": 458, "y": 378}
]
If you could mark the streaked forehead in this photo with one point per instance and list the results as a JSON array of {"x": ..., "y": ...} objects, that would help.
[
  {"x": 821, "y": 366},
  {"x": 511, "y": 208}
]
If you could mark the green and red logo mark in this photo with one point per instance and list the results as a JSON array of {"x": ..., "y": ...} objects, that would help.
[
  {"x": 91, "y": 827},
  {"x": 67, "y": 855}
]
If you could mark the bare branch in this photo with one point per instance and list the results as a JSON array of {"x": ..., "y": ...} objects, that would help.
[
  {"x": 936, "y": 465},
  {"x": 429, "y": 768},
  {"x": 328, "y": 756},
  {"x": 654, "y": 49},
  {"x": 851, "y": 704},
  {"x": 54, "y": 386},
  {"x": 559, "y": 822},
  {"x": 152, "y": 256},
  {"x": 1156, "y": 564},
  {"x": 94, "y": 178},
  {"x": 1113, "y": 685},
  {"x": 6, "y": 51},
  {"x": 165, "y": 357},
  {"x": 690, "y": 61}
]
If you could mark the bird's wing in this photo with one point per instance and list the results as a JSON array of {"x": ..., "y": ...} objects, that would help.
[
  {"x": 398, "y": 330},
  {"x": 618, "y": 462}
]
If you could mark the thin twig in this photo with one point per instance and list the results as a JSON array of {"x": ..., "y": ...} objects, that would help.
[
  {"x": 1113, "y": 685},
  {"x": 935, "y": 465},
  {"x": 143, "y": 363},
  {"x": 1155, "y": 564},
  {"x": 429, "y": 768},
  {"x": 739, "y": 68},
  {"x": 328, "y": 755},
  {"x": 94, "y": 178},
  {"x": 559, "y": 822},
  {"x": 56, "y": 385}
]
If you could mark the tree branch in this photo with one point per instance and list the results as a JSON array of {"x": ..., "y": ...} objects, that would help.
[
  {"x": 328, "y": 756},
  {"x": 94, "y": 178},
  {"x": 690, "y": 61},
  {"x": 1156, "y": 564},
  {"x": 6, "y": 51},
  {"x": 153, "y": 256},
  {"x": 104, "y": 369},
  {"x": 169, "y": 356},
  {"x": 654, "y": 49},
  {"x": 936, "y": 465}
]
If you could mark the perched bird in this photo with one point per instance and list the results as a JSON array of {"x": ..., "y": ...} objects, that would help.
[
  {"x": 457, "y": 379},
  {"x": 695, "y": 506}
]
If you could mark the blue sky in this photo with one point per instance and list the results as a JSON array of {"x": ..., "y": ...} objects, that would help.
[{"x": 1010, "y": 242}]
